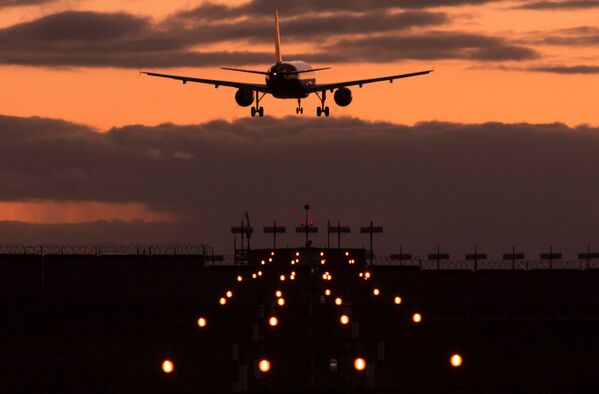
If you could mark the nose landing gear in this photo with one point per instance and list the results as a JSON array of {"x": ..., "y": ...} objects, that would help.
[
  {"x": 258, "y": 110},
  {"x": 322, "y": 109}
]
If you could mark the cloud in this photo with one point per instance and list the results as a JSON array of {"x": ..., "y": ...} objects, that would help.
[
  {"x": 575, "y": 36},
  {"x": 457, "y": 185},
  {"x": 578, "y": 69},
  {"x": 559, "y": 5},
  {"x": 91, "y": 39},
  {"x": 22, "y": 3}
]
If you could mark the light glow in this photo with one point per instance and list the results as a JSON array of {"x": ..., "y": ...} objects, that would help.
[
  {"x": 281, "y": 301},
  {"x": 264, "y": 366},
  {"x": 239, "y": 278},
  {"x": 344, "y": 319},
  {"x": 222, "y": 301},
  {"x": 360, "y": 364},
  {"x": 376, "y": 292},
  {"x": 202, "y": 322},
  {"x": 417, "y": 318},
  {"x": 338, "y": 301},
  {"x": 229, "y": 294},
  {"x": 456, "y": 360},
  {"x": 168, "y": 366},
  {"x": 273, "y": 321},
  {"x": 327, "y": 292},
  {"x": 279, "y": 293},
  {"x": 397, "y": 300}
]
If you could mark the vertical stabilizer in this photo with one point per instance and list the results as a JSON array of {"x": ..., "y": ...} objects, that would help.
[{"x": 278, "y": 57}]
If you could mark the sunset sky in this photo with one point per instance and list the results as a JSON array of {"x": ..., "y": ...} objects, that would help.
[{"x": 92, "y": 152}]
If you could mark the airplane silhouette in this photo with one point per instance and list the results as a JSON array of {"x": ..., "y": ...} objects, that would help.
[{"x": 288, "y": 80}]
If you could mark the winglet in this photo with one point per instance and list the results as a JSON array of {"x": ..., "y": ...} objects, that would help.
[{"x": 278, "y": 57}]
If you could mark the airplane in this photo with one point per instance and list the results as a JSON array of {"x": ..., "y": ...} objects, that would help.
[{"x": 288, "y": 80}]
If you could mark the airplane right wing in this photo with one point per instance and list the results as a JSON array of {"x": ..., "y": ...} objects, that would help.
[
  {"x": 216, "y": 83},
  {"x": 333, "y": 86}
]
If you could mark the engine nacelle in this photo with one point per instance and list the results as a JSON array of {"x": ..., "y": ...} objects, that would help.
[
  {"x": 244, "y": 97},
  {"x": 343, "y": 97}
]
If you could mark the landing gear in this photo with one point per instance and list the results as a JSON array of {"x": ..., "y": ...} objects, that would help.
[
  {"x": 258, "y": 110},
  {"x": 299, "y": 109},
  {"x": 322, "y": 109}
]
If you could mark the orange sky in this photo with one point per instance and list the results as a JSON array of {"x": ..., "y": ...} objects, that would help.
[{"x": 462, "y": 91}]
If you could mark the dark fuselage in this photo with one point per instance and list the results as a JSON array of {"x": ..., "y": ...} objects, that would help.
[{"x": 284, "y": 83}]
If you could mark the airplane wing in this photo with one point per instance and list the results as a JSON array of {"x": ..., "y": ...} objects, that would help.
[
  {"x": 252, "y": 86},
  {"x": 333, "y": 86}
]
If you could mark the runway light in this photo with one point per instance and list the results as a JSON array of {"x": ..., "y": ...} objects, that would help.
[
  {"x": 281, "y": 301},
  {"x": 292, "y": 273},
  {"x": 361, "y": 274},
  {"x": 239, "y": 278},
  {"x": 272, "y": 253},
  {"x": 376, "y": 292},
  {"x": 397, "y": 300},
  {"x": 292, "y": 277},
  {"x": 270, "y": 259},
  {"x": 297, "y": 254},
  {"x": 254, "y": 276},
  {"x": 360, "y": 364},
  {"x": 417, "y": 318},
  {"x": 222, "y": 301},
  {"x": 282, "y": 278},
  {"x": 202, "y": 322},
  {"x": 327, "y": 292},
  {"x": 278, "y": 293},
  {"x": 321, "y": 254},
  {"x": 292, "y": 262},
  {"x": 456, "y": 361},
  {"x": 347, "y": 253},
  {"x": 259, "y": 273},
  {"x": 338, "y": 301},
  {"x": 263, "y": 262},
  {"x": 297, "y": 261},
  {"x": 264, "y": 366},
  {"x": 324, "y": 276},
  {"x": 273, "y": 321},
  {"x": 323, "y": 262},
  {"x": 344, "y": 319},
  {"x": 168, "y": 366},
  {"x": 367, "y": 275},
  {"x": 229, "y": 294}
]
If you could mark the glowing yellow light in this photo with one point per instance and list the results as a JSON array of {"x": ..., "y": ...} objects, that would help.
[
  {"x": 347, "y": 253},
  {"x": 270, "y": 259},
  {"x": 168, "y": 366},
  {"x": 321, "y": 254},
  {"x": 253, "y": 276},
  {"x": 222, "y": 301},
  {"x": 279, "y": 294},
  {"x": 344, "y": 319},
  {"x": 367, "y": 275},
  {"x": 273, "y": 321},
  {"x": 297, "y": 254},
  {"x": 360, "y": 364},
  {"x": 397, "y": 300},
  {"x": 282, "y": 278},
  {"x": 456, "y": 360},
  {"x": 272, "y": 253},
  {"x": 229, "y": 294},
  {"x": 361, "y": 274},
  {"x": 259, "y": 273},
  {"x": 263, "y": 262},
  {"x": 292, "y": 262},
  {"x": 416, "y": 317},
  {"x": 202, "y": 322},
  {"x": 324, "y": 276},
  {"x": 376, "y": 292},
  {"x": 264, "y": 366},
  {"x": 292, "y": 277},
  {"x": 239, "y": 278},
  {"x": 297, "y": 261},
  {"x": 338, "y": 301},
  {"x": 323, "y": 261},
  {"x": 327, "y": 292},
  {"x": 293, "y": 273},
  {"x": 281, "y": 301}
]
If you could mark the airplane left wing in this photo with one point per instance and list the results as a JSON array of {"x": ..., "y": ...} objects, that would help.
[
  {"x": 391, "y": 78},
  {"x": 216, "y": 83}
]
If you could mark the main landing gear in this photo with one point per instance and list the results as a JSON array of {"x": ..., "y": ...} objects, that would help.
[
  {"x": 322, "y": 109},
  {"x": 258, "y": 110},
  {"x": 299, "y": 109}
]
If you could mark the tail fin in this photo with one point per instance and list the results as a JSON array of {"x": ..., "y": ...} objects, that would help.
[{"x": 278, "y": 57}]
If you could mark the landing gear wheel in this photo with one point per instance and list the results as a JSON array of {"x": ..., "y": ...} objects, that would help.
[
  {"x": 261, "y": 111},
  {"x": 326, "y": 111},
  {"x": 253, "y": 112},
  {"x": 318, "y": 112}
]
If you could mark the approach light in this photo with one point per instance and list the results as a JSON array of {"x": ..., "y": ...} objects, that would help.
[
  {"x": 264, "y": 366},
  {"x": 456, "y": 360},
  {"x": 397, "y": 300},
  {"x": 324, "y": 276},
  {"x": 321, "y": 254},
  {"x": 323, "y": 262},
  {"x": 292, "y": 273},
  {"x": 417, "y": 318},
  {"x": 292, "y": 262},
  {"x": 281, "y": 301},
  {"x": 263, "y": 262},
  {"x": 259, "y": 273},
  {"x": 292, "y": 277},
  {"x": 279, "y": 293},
  {"x": 344, "y": 319},
  {"x": 367, "y": 275},
  {"x": 297, "y": 254},
  {"x": 239, "y": 278},
  {"x": 229, "y": 294},
  {"x": 270, "y": 259},
  {"x": 202, "y": 322},
  {"x": 347, "y": 253},
  {"x": 361, "y": 274},
  {"x": 327, "y": 292},
  {"x": 222, "y": 301},
  {"x": 338, "y": 301},
  {"x": 297, "y": 261},
  {"x": 254, "y": 276},
  {"x": 282, "y": 278},
  {"x": 168, "y": 366},
  {"x": 376, "y": 292},
  {"x": 360, "y": 364},
  {"x": 272, "y": 253},
  {"x": 273, "y": 321}
]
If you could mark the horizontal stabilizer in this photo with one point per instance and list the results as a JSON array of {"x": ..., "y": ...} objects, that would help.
[{"x": 307, "y": 71}]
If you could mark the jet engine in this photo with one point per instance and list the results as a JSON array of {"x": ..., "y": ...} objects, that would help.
[
  {"x": 343, "y": 97},
  {"x": 244, "y": 97}
]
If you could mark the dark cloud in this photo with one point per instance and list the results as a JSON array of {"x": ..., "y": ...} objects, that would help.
[
  {"x": 21, "y": 3},
  {"x": 559, "y": 5},
  {"x": 212, "y": 11},
  {"x": 122, "y": 40},
  {"x": 455, "y": 184},
  {"x": 576, "y": 36},
  {"x": 579, "y": 69}
]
